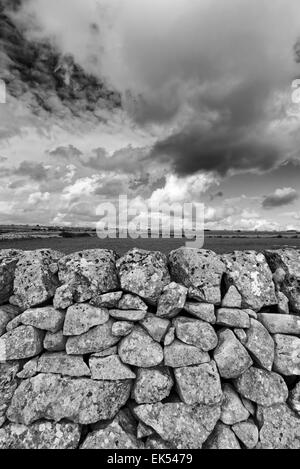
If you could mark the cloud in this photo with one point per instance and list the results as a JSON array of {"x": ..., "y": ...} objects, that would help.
[{"x": 280, "y": 197}]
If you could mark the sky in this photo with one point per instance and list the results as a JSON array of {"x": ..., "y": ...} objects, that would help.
[{"x": 165, "y": 101}]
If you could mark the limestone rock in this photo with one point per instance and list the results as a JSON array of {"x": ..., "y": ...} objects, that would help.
[
  {"x": 287, "y": 355},
  {"x": 247, "y": 433},
  {"x": 283, "y": 303},
  {"x": 107, "y": 300},
  {"x": 280, "y": 323},
  {"x": 122, "y": 328},
  {"x": 232, "y": 411},
  {"x": 143, "y": 431},
  {"x": 139, "y": 349},
  {"x": 199, "y": 270},
  {"x": 63, "y": 297},
  {"x": 232, "y": 298},
  {"x": 96, "y": 339},
  {"x": 7, "y": 314},
  {"x": 280, "y": 427},
  {"x": 8, "y": 261},
  {"x": 55, "y": 341},
  {"x": 155, "y": 442},
  {"x": 144, "y": 273},
  {"x": 249, "y": 272},
  {"x": 109, "y": 368},
  {"x": 179, "y": 354},
  {"x": 231, "y": 357},
  {"x": 260, "y": 344},
  {"x": 294, "y": 398},
  {"x": 23, "y": 342},
  {"x": 82, "y": 317},
  {"x": 129, "y": 302},
  {"x": 171, "y": 301},
  {"x": 230, "y": 317},
  {"x": 30, "y": 369},
  {"x": 196, "y": 332},
  {"x": 8, "y": 385},
  {"x": 263, "y": 387},
  {"x": 203, "y": 311},
  {"x": 199, "y": 384},
  {"x": 63, "y": 364},
  {"x": 111, "y": 437},
  {"x": 79, "y": 400},
  {"x": 170, "y": 336},
  {"x": 107, "y": 352},
  {"x": 47, "y": 318},
  {"x": 222, "y": 438},
  {"x": 241, "y": 335},
  {"x": 130, "y": 315},
  {"x": 152, "y": 385},
  {"x": 156, "y": 327}
]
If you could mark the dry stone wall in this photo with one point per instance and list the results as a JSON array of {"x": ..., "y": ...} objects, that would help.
[{"x": 191, "y": 350}]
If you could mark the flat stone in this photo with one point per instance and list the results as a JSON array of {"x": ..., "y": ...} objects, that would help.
[
  {"x": 110, "y": 368},
  {"x": 241, "y": 335},
  {"x": 263, "y": 387},
  {"x": 171, "y": 301},
  {"x": 196, "y": 332},
  {"x": 8, "y": 261},
  {"x": 199, "y": 384},
  {"x": 283, "y": 303},
  {"x": 249, "y": 272},
  {"x": 280, "y": 323},
  {"x": 61, "y": 363},
  {"x": 232, "y": 298},
  {"x": 23, "y": 342},
  {"x": 111, "y": 437},
  {"x": 230, "y": 317},
  {"x": 82, "y": 317},
  {"x": 203, "y": 311},
  {"x": 89, "y": 273},
  {"x": 96, "y": 339},
  {"x": 40, "y": 435},
  {"x": 30, "y": 369},
  {"x": 80, "y": 400},
  {"x": 129, "y": 302},
  {"x": 222, "y": 438},
  {"x": 107, "y": 352},
  {"x": 200, "y": 271},
  {"x": 63, "y": 297},
  {"x": 170, "y": 336},
  {"x": 247, "y": 433},
  {"x": 144, "y": 273},
  {"x": 122, "y": 328},
  {"x": 232, "y": 411},
  {"x": 287, "y": 355},
  {"x": 179, "y": 354},
  {"x": 260, "y": 344},
  {"x": 294, "y": 398},
  {"x": 107, "y": 300},
  {"x": 280, "y": 427},
  {"x": 181, "y": 425},
  {"x": 139, "y": 349},
  {"x": 55, "y": 341},
  {"x": 152, "y": 385},
  {"x": 7, "y": 314},
  {"x": 8, "y": 385},
  {"x": 156, "y": 327},
  {"x": 130, "y": 315},
  {"x": 46, "y": 318},
  {"x": 231, "y": 357}
]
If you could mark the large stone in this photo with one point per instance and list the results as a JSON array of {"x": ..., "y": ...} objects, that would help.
[
  {"x": 35, "y": 277},
  {"x": 139, "y": 349},
  {"x": 260, "y": 344},
  {"x": 294, "y": 398},
  {"x": 82, "y": 317},
  {"x": 23, "y": 342},
  {"x": 287, "y": 355},
  {"x": 89, "y": 273},
  {"x": 7, "y": 314},
  {"x": 130, "y": 315},
  {"x": 199, "y": 384},
  {"x": 96, "y": 339},
  {"x": 196, "y": 332},
  {"x": 249, "y": 272},
  {"x": 156, "y": 327},
  {"x": 55, "y": 342},
  {"x": 280, "y": 323},
  {"x": 61, "y": 363},
  {"x": 47, "y": 318},
  {"x": 179, "y": 354},
  {"x": 231, "y": 357},
  {"x": 171, "y": 301},
  {"x": 184, "y": 426},
  {"x": 232, "y": 298},
  {"x": 222, "y": 438},
  {"x": 232, "y": 411},
  {"x": 203, "y": 311},
  {"x": 8, "y": 385},
  {"x": 107, "y": 300},
  {"x": 152, "y": 385},
  {"x": 111, "y": 437},
  {"x": 144, "y": 273},
  {"x": 40, "y": 435},
  {"x": 263, "y": 387},
  {"x": 200, "y": 271},
  {"x": 230, "y": 317},
  {"x": 280, "y": 427},
  {"x": 8, "y": 262},
  {"x": 247, "y": 433},
  {"x": 129, "y": 301},
  {"x": 79, "y": 400},
  {"x": 109, "y": 368}
]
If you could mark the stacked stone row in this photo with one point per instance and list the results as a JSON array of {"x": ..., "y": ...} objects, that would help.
[{"x": 193, "y": 350}]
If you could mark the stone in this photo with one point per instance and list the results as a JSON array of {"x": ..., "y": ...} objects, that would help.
[
  {"x": 7, "y": 314},
  {"x": 170, "y": 336},
  {"x": 199, "y": 384},
  {"x": 129, "y": 302},
  {"x": 171, "y": 301},
  {"x": 232, "y": 298},
  {"x": 122, "y": 328},
  {"x": 280, "y": 427},
  {"x": 263, "y": 387},
  {"x": 8, "y": 261},
  {"x": 230, "y": 317},
  {"x": 8, "y": 385},
  {"x": 109, "y": 368},
  {"x": 181, "y": 425},
  {"x": 35, "y": 279},
  {"x": 247, "y": 433},
  {"x": 203, "y": 311},
  {"x": 280, "y": 323},
  {"x": 260, "y": 344},
  {"x": 249, "y": 272},
  {"x": 107, "y": 352},
  {"x": 144, "y": 273},
  {"x": 23, "y": 342},
  {"x": 156, "y": 327},
  {"x": 179, "y": 354},
  {"x": 196, "y": 332},
  {"x": 107, "y": 300},
  {"x": 241, "y": 335},
  {"x": 55, "y": 341},
  {"x": 230, "y": 355},
  {"x": 249, "y": 405},
  {"x": 111, "y": 437},
  {"x": 143, "y": 431},
  {"x": 40, "y": 435},
  {"x": 63, "y": 297},
  {"x": 283, "y": 303},
  {"x": 61, "y": 363},
  {"x": 96, "y": 339},
  {"x": 130, "y": 315},
  {"x": 14, "y": 323},
  {"x": 30, "y": 369},
  {"x": 287, "y": 355},
  {"x": 139, "y": 349},
  {"x": 155, "y": 442},
  {"x": 200, "y": 271},
  {"x": 79, "y": 400},
  {"x": 222, "y": 438},
  {"x": 294, "y": 398},
  {"x": 152, "y": 385},
  {"x": 46, "y": 318},
  {"x": 82, "y": 317},
  {"x": 89, "y": 273},
  {"x": 232, "y": 411}
]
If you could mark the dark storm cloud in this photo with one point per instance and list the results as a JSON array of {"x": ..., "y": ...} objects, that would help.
[
  {"x": 33, "y": 170},
  {"x": 66, "y": 152},
  {"x": 280, "y": 197}
]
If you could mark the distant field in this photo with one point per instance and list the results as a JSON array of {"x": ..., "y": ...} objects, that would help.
[{"x": 217, "y": 244}]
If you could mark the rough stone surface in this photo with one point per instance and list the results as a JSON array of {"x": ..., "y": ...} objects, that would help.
[
  {"x": 55, "y": 341},
  {"x": 7, "y": 314},
  {"x": 232, "y": 298},
  {"x": 171, "y": 301},
  {"x": 47, "y": 318},
  {"x": 222, "y": 438},
  {"x": 247, "y": 433},
  {"x": 260, "y": 344},
  {"x": 30, "y": 369},
  {"x": 199, "y": 270},
  {"x": 152, "y": 385},
  {"x": 111, "y": 437},
  {"x": 130, "y": 315},
  {"x": 287, "y": 355},
  {"x": 199, "y": 384},
  {"x": 8, "y": 385},
  {"x": 196, "y": 332},
  {"x": 283, "y": 303},
  {"x": 232, "y": 411},
  {"x": 107, "y": 352},
  {"x": 170, "y": 336},
  {"x": 8, "y": 261},
  {"x": 280, "y": 323},
  {"x": 107, "y": 300},
  {"x": 143, "y": 430},
  {"x": 155, "y": 442},
  {"x": 63, "y": 297},
  {"x": 122, "y": 328},
  {"x": 203, "y": 311},
  {"x": 23, "y": 342},
  {"x": 82, "y": 317},
  {"x": 96, "y": 339},
  {"x": 230, "y": 317},
  {"x": 61, "y": 363},
  {"x": 109, "y": 368},
  {"x": 143, "y": 273},
  {"x": 129, "y": 302},
  {"x": 156, "y": 327},
  {"x": 280, "y": 427},
  {"x": 179, "y": 354},
  {"x": 231, "y": 357},
  {"x": 294, "y": 398},
  {"x": 139, "y": 349}
]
